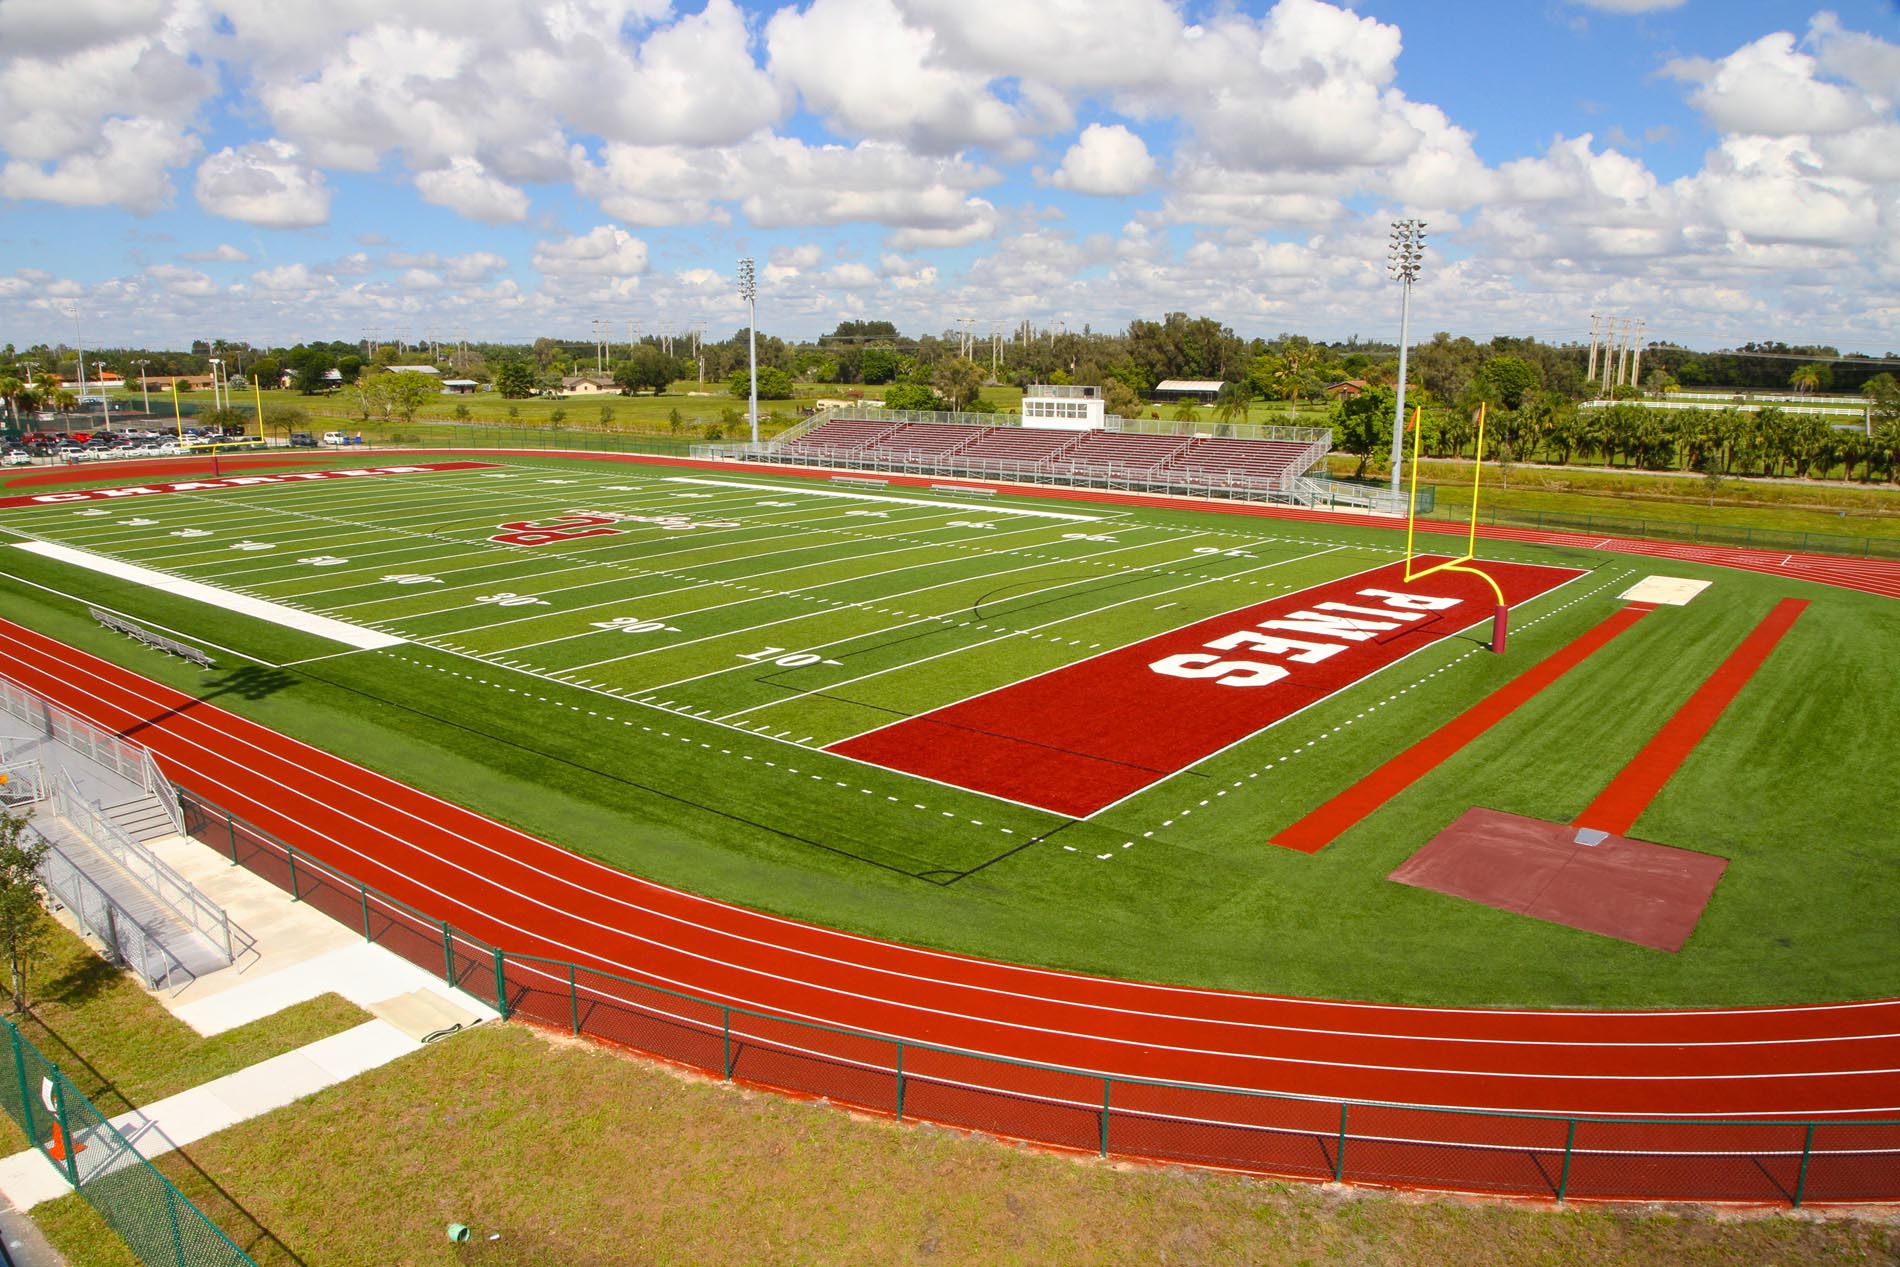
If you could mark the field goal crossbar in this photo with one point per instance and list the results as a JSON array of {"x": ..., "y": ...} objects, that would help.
[{"x": 1500, "y": 614}]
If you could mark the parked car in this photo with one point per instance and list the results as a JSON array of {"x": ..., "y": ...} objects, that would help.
[
  {"x": 336, "y": 437},
  {"x": 302, "y": 440},
  {"x": 16, "y": 457}
]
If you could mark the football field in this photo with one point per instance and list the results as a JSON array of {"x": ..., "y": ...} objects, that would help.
[{"x": 836, "y": 700}]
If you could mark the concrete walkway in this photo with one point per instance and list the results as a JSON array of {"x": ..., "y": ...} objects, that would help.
[{"x": 299, "y": 955}]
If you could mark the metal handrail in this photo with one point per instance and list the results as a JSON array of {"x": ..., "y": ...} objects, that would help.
[
  {"x": 205, "y": 916},
  {"x": 106, "y": 920}
]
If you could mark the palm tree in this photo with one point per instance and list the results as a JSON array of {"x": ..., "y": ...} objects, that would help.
[
  {"x": 11, "y": 389},
  {"x": 1183, "y": 412},
  {"x": 1231, "y": 405},
  {"x": 1806, "y": 379}
]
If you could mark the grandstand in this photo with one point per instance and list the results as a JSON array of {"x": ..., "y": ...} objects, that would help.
[{"x": 1244, "y": 461}]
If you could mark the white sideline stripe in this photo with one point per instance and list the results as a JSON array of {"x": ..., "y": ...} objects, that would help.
[
  {"x": 243, "y": 604},
  {"x": 981, "y": 508}
]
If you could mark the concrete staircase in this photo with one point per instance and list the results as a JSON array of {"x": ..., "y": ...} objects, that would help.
[{"x": 142, "y": 818}]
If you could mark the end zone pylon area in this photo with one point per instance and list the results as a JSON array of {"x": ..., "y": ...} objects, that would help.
[{"x": 1500, "y": 615}]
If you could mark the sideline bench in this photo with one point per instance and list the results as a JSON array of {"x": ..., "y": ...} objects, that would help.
[
  {"x": 966, "y": 490},
  {"x": 860, "y": 481},
  {"x": 182, "y": 650}
]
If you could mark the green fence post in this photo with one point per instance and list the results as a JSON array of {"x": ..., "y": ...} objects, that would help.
[
  {"x": 1339, "y": 1153},
  {"x": 230, "y": 831},
  {"x": 501, "y": 987},
  {"x": 1570, "y": 1144},
  {"x": 65, "y": 1135},
  {"x": 1801, "y": 1182},
  {"x": 573, "y": 1001},
  {"x": 363, "y": 892},
  {"x": 900, "y": 1081},
  {"x": 448, "y": 954},
  {"x": 1107, "y": 1086},
  {"x": 26, "y": 1101},
  {"x": 725, "y": 1039},
  {"x": 171, "y": 1207},
  {"x": 290, "y": 852}
]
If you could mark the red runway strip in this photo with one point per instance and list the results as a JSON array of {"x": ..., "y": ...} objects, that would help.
[
  {"x": 1333, "y": 819},
  {"x": 1619, "y": 805},
  {"x": 1077, "y": 739}
]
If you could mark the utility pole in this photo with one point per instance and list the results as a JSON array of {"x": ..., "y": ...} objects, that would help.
[
  {"x": 1609, "y": 354},
  {"x": 1636, "y": 358},
  {"x": 143, "y": 389},
  {"x": 1407, "y": 252},
  {"x": 1590, "y": 375},
  {"x": 749, "y": 291}
]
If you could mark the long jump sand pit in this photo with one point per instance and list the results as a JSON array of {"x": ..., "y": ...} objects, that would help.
[{"x": 1632, "y": 890}]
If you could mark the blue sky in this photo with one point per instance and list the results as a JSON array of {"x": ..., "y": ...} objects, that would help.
[{"x": 1726, "y": 170}]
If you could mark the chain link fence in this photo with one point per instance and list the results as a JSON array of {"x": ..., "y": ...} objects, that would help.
[
  {"x": 158, "y": 1222},
  {"x": 1534, "y": 1155}
]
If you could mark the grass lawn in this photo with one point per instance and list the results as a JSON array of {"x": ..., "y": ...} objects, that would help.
[
  {"x": 122, "y": 1049},
  {"x": 577, "y": 1155}
]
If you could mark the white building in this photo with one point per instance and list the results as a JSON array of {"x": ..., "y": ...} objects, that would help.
[{"x": 1054, "y": 407}]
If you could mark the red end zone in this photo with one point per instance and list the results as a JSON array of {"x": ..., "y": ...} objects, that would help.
[{"x": 1077, "y": 739}]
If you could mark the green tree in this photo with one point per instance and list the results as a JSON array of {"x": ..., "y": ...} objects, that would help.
[
  {"x": 1506, "y": 381},
  {"x": 307, "y": 366},
  {"x": 462, "y": 414},
  {"x": 514, "y": 380},
  {"x": 1811, "y": 378},
  {"x": 1364, "y": 424},
  {"x": 1230, "y": 406},
  {"x": 958, "y": 381},
  {"x": 878, "y": 365},
  {"x": 911, "y": 396},
  {"x": 23, "y": 918},
  {"x": 648, "y": 367},
  {"x": 408, "y": 392},
  {"x": 774, "y": 384},
  {"x": 606, "y": 415},
  {"x": 1120, "y": 399}
]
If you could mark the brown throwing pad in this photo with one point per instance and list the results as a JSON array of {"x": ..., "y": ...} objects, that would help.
[{"x": 1628, "y": 889}]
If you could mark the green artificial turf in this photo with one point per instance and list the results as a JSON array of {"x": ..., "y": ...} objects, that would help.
[{"x": 918, "y": 609}]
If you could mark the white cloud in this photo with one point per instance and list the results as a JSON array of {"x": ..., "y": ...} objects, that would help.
[
  {"x": 127, "y": 164},
  {"x": 223, "y": 253},
  {"x": 1629, "y": 6},
  {"x": 264, "y": 183},
  {"x": 290, "y": 277},
  {"x": 182, "y": 281},
  {"x": 605, "y": 251},
  {"x": 465, "y": 187},
  {"x": 1769, "y": 89},
  {"x": 1105, "y": 160},
  {"x": 873, "y": 74}
]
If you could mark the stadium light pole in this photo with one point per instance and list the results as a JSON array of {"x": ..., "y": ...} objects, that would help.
[
  {"x": 749, "y": 291},
  {"x": 1408, "y": 248}
]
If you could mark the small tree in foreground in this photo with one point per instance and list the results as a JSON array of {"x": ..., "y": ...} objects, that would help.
[{"x": 23, "y": 917}]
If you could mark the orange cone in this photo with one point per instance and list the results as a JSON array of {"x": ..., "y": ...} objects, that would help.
[{"x": 58, "y": 1150}]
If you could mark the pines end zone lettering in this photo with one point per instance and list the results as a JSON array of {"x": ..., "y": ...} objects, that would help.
[
  {"x": 234, "y": 481},
  {"x": 1078, "y": 739}
]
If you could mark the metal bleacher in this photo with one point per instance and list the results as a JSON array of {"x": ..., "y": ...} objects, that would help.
[{"x": 1258, "y": 464}]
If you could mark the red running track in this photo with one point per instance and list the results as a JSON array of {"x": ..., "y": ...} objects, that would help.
[{"x": 532, "y": 897}]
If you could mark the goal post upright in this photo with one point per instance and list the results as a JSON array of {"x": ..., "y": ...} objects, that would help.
[{"x": 1500, "y": 614}]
